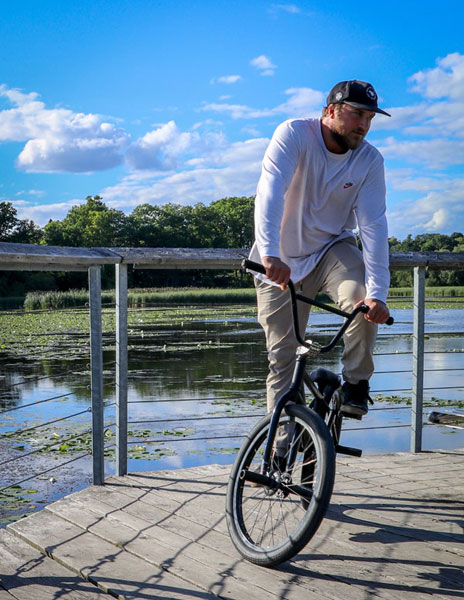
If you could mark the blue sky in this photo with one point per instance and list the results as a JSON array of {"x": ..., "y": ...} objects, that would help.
[{"x": 175, "y": 101}]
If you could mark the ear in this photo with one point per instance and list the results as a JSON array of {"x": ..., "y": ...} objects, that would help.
[{"x": 331, "y": 111}]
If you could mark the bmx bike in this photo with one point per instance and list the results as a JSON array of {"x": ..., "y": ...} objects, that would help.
[{"x": 282, "y": 479}]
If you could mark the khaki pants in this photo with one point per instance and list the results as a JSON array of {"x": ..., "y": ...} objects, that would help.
[{"x": 340, "y": 274}]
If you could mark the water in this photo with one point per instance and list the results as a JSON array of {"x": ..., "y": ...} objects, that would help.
[{"x": 196, "y": 387}]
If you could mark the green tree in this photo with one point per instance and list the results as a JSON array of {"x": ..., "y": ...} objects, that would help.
[
  {"x": 233, "y": 219},
  {"x": 8, "y": 220},
  {"x": 12, "y": 229},
  {"x": 166, "y": 226},
  {"x": 429, "y": 242},
  {"x": 88, "y": 225}
]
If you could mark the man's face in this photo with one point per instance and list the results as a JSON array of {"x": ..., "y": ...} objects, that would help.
[{"x": 349, "y": 126}]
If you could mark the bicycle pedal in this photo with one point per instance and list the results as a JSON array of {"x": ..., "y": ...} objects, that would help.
[
  {"x": 346, "y": 415},
  {"x": 348, "y": 451}
]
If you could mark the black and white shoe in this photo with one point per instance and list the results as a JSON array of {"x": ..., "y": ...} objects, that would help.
[{"x": 355, "y": 398}]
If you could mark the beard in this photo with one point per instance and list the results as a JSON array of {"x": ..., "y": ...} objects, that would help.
[{"x": 347, "y": 141}]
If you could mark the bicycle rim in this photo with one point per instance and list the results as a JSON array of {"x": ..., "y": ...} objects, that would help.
[{"x": 270, "y": 524}]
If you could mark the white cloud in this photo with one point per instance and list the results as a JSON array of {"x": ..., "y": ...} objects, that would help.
[
  {"x": 440, "y": 211},
  {"x": 161, "y": 148},
  {"x": 77, "y": 155},
  {"x": 229, "y": 79},
  {"x": 41, "y": 214},
  {"x": 301, "y": 102},
  {"x": 223, "y": 170},
  {"x": 38, "y": 193},
  {"x": 207, "y": 124},
  {"x": 441, "y": 218},
  {"x": 413, "y": 180},
  {"x": 401, "y": 117},
  {"x": 237, "y": 111},
  {"x": 264, "y": 65},
  {"x": 440, "y": 112},
  {"x": 289, "y": 8},
  {"x": 433, "y": 153},
  {"x": 445, "y": 80},
  {"x": 59, "y": 140},
  {"x": 251, "y": 131}
]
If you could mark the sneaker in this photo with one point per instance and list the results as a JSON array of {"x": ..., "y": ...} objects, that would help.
[{"x": 355, "y": 398}]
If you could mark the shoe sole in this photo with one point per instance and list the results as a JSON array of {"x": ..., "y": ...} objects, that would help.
[{"x": 353, "y": 410}]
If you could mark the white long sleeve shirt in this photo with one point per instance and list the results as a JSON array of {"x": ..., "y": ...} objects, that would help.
[{"x": 308, "y": 198}]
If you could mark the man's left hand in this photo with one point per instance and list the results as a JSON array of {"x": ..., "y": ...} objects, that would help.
[{"x": 378, "y": 310}]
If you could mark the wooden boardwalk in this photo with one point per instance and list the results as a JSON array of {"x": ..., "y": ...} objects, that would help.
[{"x": 395, "y": 530}]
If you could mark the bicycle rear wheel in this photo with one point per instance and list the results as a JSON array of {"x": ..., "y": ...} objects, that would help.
[{"x": 271, "y": 518}]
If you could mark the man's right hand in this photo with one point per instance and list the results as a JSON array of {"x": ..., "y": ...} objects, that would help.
[{"x": 276, "y": 270}]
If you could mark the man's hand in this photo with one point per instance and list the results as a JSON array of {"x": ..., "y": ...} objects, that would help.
[
  {"x": 378, "y": 310},
  {"x": 276, "y": 270}
]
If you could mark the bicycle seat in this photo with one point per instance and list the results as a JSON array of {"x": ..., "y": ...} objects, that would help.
[{"x": 324, "y": 377}]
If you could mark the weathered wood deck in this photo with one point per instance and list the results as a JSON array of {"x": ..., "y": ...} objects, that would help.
[{"x": 395, "y": 530}]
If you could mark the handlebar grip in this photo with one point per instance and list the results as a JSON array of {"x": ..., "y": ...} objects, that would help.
[
  {"x": 253, "y": 266},
  {"x": 365, "y": 309}
]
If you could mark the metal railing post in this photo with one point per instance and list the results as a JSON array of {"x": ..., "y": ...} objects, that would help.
[
  {"x": 96, "y": 369},
  {"x": 418, "y": 359},
  {"x": 121, "y": 369}
]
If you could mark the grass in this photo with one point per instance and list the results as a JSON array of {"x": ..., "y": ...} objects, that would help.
[
  {"x": 446, "y": 291},
  {"x": 140, "y": 297}
]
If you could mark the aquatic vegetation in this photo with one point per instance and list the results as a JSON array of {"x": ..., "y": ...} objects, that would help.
[
  {"x": 14, "y": 499},
  {"x": 196, "y": 376}
]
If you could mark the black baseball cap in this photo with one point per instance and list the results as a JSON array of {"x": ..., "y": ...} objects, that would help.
[{"x": 356, "y": 93}]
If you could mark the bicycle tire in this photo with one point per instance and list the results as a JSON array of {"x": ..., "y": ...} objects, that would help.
[{"x": 267, "y": 525}]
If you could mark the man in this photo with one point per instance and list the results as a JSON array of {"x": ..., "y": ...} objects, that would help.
[{"x": 320, "y": 179}]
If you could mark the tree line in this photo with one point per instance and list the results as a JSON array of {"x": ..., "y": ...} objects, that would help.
[{"x": 225, "y": 223}]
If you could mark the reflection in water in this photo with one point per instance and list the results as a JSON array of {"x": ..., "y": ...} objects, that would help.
[{"x": 197, "y": 387}]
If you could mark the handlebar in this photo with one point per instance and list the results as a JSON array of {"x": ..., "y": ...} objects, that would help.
[{"x": 363, "y": 308}]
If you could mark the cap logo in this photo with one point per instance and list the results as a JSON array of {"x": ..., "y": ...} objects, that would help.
[
  {"x": 371, "y": 93},
  {"x": 338, "y": 96}
]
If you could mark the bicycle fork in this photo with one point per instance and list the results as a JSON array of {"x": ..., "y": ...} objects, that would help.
[{"x": 290, "y": 396}]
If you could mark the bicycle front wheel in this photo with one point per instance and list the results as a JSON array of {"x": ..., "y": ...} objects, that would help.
[{"x": 271, "y": 518}]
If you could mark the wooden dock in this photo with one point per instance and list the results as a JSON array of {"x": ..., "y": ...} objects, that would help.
[{"x": 395, "y": 530}]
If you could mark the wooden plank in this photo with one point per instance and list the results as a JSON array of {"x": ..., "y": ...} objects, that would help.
[
  {"x": 339, "y": 543},
  {"x": 183, "y": 258},
  {"x": 198, "y": 512},
  {"x": 389, "y": 535},
  {"x": 28, "y": 574},
  {"x": 140, "y": 516},
  {"x": 188, "y": 560},
  {"x": 376, "y": 542},
  {"x": 438, "y": 526},
  {"x": 179, "y": 552},
  {"x": 108, "y": 566},
  {"x": 32, "y": 257}
]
